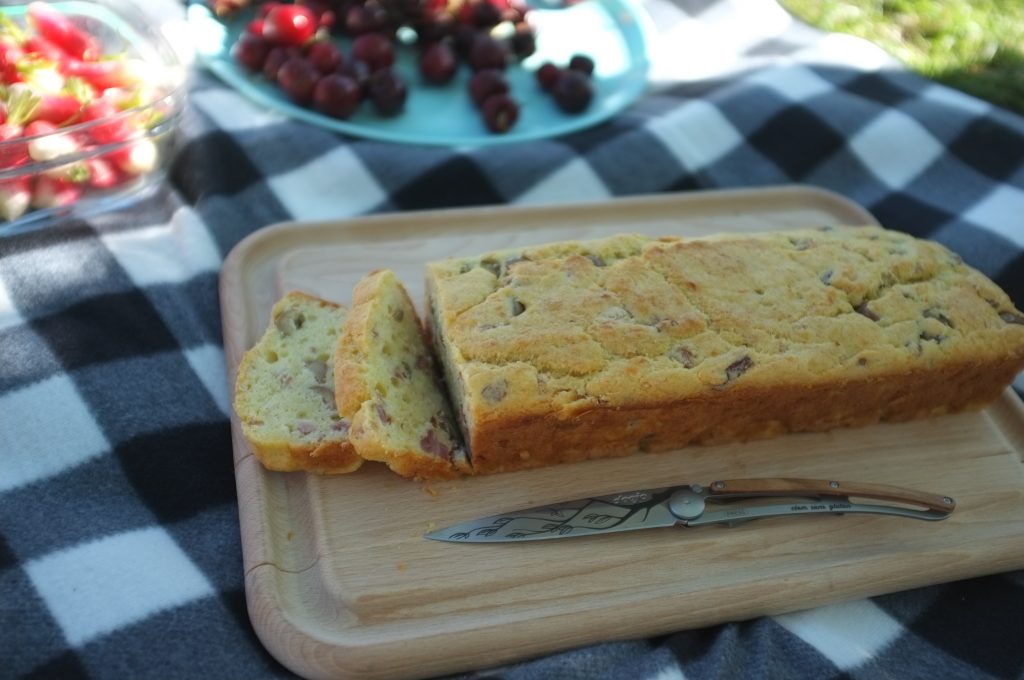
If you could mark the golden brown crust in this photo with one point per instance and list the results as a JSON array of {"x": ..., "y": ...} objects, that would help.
[
  {"x": 753, "y": 414},
  {"x": 580, "y": 350},
  {"x": 350, "y": 387},
  {"x": 329, "y": 458}
]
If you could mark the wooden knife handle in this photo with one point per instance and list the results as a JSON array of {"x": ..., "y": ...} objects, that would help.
[{"x": 781, "y": 486}]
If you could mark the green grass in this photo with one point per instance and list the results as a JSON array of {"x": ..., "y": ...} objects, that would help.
[{"x": 971, "y": 45}]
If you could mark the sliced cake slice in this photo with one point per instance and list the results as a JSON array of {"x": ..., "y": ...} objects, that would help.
[
  {"x": 387, "y": 385},
  {"x": 284, "y": 393}
]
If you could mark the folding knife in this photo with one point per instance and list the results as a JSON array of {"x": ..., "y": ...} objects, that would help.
[{"x": 726, "y": 502}]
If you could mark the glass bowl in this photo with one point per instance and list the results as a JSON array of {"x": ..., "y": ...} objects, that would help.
[{"x": 93, "y": 162}]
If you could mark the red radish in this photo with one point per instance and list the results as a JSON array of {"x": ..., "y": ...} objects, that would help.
[
  {"x": 38, "y": 128},
  {"x": 45, "y": 143},
  {"x": 12, "y": 153},
  {"x": 136, "y": 158},
  {"x": 102, "y": 174},
  {"x": 22, "y": 105},
  {"x": 44, "y": 49},
  {"x": 9, "y": 131},
  {"x": 11, "y": 55},
  {"x": 15, "y": 197},
  {"x": 54, "y": 75},
  {"x": 289, "y": 25},
  {"x": 109, "y": 124},
  {"x": 60, "y": 109},
  {"x": 58, "y": 29},
  {"x": 49, "y": 192},
  {"x": 104, "y": 74}
]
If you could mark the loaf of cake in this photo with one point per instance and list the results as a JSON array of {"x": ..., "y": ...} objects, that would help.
[
  {"x": 284, "y": 392},
  {"x": 578, "y": 350},
  {"x": 388, "y": 387}
]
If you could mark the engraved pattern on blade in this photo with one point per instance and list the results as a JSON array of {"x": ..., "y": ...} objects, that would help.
[{"x": 605, "y": 514}]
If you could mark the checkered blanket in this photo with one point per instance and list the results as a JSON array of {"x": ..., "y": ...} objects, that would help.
[{"x": 119, "y": 537}]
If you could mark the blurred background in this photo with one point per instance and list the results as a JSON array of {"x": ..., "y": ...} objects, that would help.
[{"x": 976, "y": 46}]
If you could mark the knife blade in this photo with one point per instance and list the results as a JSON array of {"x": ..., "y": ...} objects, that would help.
[{"x": 726, "y": 502}]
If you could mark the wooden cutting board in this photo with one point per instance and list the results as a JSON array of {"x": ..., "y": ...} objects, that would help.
[{"x": 341, "y": 584}]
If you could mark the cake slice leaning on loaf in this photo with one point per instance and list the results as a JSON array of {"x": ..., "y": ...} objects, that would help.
[
  {"x": 387, "y": 385},
  {"x": 579, "y": 350},
  {"x": 284, "y": 394}
]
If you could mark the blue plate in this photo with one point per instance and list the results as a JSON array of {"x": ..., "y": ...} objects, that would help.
[{"x": 612, "y": 32}]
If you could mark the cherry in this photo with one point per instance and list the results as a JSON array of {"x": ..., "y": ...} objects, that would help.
[
  {"x": 375, "y": 50},
  {"x": 297, "y": 77},
  {"x": 284, "y": 41},
  {"x": 360, "y": 19},
  {"x": 319, "y": 8},
  {"x": 463, "y": 37},
  {"x": 327, "y": 20},
  {"x": 359, "y": 72},
  {"x": 487, "y": 83},
  {"x": 523, "y": 42},
  {"x": 325, "y": 56},
  {"x": 405, "y": 11},
  {"x": 547, "y": 75},
  {"x": 289, "y": 24},
  {"x": 337, "y": 96},
  {"x": 275, "y": 59},
  {"x": 387, "y": 91},
  {"x": 251, "y": 51},
  {"x": 438, "y": 63},
  {"x": 500, "y": 113},
  {"x": 464, "y": 12},
  {"x": 433, "y": 27},
  {"x": 582, "y": 63},
  {"x": 487, "y": 53},
  {"x": 573, "y": 91},
  {"x": 485, "y": 15}
]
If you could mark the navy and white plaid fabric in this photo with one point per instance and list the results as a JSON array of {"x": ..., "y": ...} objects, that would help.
[{"x": 119, "y": 541}]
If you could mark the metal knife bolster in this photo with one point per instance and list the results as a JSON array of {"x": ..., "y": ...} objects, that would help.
[{"x": 801, "y": 496}]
